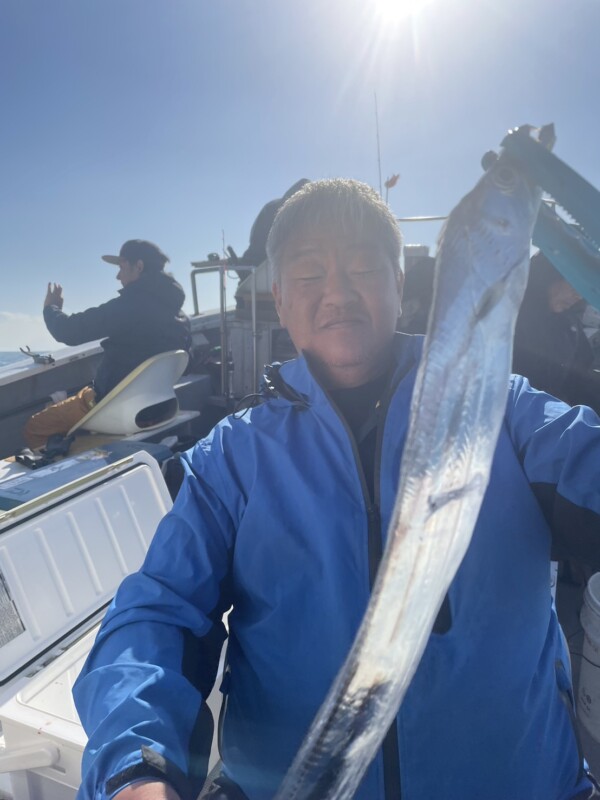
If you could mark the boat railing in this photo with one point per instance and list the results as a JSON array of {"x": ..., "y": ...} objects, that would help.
[{"x": 222, "y": 267}]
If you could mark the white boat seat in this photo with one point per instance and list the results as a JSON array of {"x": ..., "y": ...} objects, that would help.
[{"x": 143, "y": 400}]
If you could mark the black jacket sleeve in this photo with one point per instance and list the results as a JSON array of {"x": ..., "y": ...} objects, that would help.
[{"x": 99, "y": 322}]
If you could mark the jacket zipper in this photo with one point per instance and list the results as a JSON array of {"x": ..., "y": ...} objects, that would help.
[{"x": 391, "y": 758}]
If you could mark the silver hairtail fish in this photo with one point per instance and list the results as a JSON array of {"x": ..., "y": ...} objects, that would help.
[{"x": 457, "y": 409}]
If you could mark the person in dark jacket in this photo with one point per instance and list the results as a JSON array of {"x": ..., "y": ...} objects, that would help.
[
  {"x": 146, "y": 319},
  {"x": 550, "y": 347},
  {"x": 256, "y": 251},
  {"x": 417, "y": 296}
]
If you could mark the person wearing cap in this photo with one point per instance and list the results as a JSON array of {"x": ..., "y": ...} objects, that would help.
[{"x": 144, "y": 320}]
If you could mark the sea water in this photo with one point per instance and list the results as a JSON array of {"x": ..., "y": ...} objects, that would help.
[{"x": 9, "y": 357}]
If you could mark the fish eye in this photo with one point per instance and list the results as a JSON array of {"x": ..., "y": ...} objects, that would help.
[{"x": 505, "y": 178}]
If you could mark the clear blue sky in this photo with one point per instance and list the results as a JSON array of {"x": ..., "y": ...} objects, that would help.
[{"x": 173, "y": 120}]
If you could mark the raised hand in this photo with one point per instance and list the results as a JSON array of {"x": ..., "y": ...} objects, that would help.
[{"x": 54, "y": 296}]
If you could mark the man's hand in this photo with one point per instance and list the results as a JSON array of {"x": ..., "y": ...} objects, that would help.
[
  {"x": 54, "y": 296},
  {"x": 147, "y": 790}
]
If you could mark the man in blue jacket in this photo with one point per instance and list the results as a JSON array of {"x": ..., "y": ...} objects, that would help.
[
  {"x": 282, "y": 518},
  {"x": 146, "y": 319}
]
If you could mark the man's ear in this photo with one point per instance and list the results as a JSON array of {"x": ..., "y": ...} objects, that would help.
[
  {"x": 400, "y": 289},
  {"x": 400, "y": 283},
  {"x": 139, "y": 266},
  {"x": 276, "y": 292}
]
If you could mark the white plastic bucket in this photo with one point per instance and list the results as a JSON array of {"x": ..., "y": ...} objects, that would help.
[{"x": 588, "y": 704}]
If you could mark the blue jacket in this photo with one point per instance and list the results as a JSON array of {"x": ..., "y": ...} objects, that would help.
[{"x": 272, "y": 519}]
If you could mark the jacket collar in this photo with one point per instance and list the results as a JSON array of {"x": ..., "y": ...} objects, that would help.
[{"x": 297, "y": 373}]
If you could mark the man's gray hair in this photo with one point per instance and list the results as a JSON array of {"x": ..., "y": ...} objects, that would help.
[{"x": 338, "y": 206}]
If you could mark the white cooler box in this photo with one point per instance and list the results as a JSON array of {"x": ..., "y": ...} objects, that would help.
[{"x": 63, "y": 553}]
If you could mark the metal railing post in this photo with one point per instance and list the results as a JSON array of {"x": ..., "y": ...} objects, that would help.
[{"x": 222, "y": 267}]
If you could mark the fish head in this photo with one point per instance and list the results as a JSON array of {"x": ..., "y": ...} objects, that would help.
[
  {"x": 484, "y": 248},
  {"x": 509, "y": 207},
  {"x": 507, "y": 204},
  {"x": 507, "y": 197},
  {"x": 490, "y": 233}
]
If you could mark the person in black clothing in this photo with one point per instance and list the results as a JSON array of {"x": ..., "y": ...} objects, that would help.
[
  {"x": 256, "y": 251},
  {"x": 146, "y": 319},
  {"x": 417, "y": 296},
  {"x": 550, "y": 347}
]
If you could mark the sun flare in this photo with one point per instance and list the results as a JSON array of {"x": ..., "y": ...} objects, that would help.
[{"x": 391, "y": 12}]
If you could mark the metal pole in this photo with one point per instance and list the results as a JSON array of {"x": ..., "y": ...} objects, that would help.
[
  {"x": 378, "y": 150},
  {"x": 195, "y": 293},
  {"x": 254, "y": 334},
  {"x": 223, "y": 327}
]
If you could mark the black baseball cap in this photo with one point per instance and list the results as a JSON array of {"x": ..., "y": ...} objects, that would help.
[{"x": 140, "y": 250}]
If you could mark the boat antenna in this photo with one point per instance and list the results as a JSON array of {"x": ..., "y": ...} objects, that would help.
[{"x": 378, "y": 148}]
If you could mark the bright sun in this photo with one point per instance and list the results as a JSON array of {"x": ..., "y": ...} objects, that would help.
[{"x": 390, "y": 12}]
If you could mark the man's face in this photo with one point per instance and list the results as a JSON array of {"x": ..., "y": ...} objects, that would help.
[
  {"x": 128, "y": 273},
  {"x": 339, "y": 300}
]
